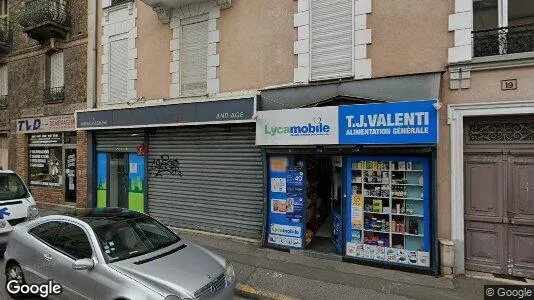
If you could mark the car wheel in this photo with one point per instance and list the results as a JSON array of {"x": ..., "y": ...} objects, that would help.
[{"x": 14, "y": 272}]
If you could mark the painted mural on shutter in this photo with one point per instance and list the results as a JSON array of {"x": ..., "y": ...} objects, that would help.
[
  {"x": 3, "y": 80},
  {"x": 56, "y": 70},
  {"x": 331, "y": 39},
  {"x": 118, "y": 71},
  {"x": 194, "y": 58}
]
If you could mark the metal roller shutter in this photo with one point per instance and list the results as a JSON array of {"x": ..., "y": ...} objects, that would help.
[
  {"x": 331, "y": 39},
  {"x": 220, "y": 188},
  {"x": 119, "y": 140}
]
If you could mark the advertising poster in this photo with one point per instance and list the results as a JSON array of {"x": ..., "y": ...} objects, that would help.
[
  {"x": 101, "y": 179},
  {"x": 357, "y": 211},
  {"x": 45, "y": 166},
  {"x": 295, "y": 192},
  {"x": 286, "y": 200},
  {"x": 136, "y": 177}
]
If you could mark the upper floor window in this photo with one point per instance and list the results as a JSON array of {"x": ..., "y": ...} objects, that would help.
[
  {"x": 55, "y": 77},
  {"x": 118, "y": 69},
  {"x": 331, "y": 45},
  {"x": 194, "y": 56},
  {"x": 503, "y": 27}
]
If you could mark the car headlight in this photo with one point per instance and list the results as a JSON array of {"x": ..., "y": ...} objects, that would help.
[
  {"x": 33, "y": 212},
  {"x": 229, "y": 275}
]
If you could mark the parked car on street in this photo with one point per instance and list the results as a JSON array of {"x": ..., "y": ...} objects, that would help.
[
  {"x": 114, "y": 253},
  {"x": 16, "y": 204}
]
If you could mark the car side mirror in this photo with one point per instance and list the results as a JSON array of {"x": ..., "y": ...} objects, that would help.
[{"x": 83, "y": 264}]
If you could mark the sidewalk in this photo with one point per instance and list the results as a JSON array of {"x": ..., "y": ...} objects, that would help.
[
  {"x": 305, "y": 277},
  {"x": 264, "y": 273}
]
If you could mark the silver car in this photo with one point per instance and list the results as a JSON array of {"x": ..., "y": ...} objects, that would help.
[{"x": 113, "y": 253}]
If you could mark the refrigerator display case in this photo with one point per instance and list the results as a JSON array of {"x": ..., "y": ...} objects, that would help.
[{"x": 388, "y": 201}]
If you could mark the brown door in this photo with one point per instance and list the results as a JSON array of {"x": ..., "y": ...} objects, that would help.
[
  {"x": 499, "y": 196},
  {"x": 521, "y": 216}
]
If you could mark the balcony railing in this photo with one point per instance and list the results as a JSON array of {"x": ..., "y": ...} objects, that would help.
[
  {"x": 45, "y": 19},
  {"x": 3, "y": 101},
  {"x": 54, "y": 95},
  {"x": 504, "y": 40},
  {"x": 6, "y": 34}
]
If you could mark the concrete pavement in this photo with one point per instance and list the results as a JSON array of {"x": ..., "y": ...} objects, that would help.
[{"x": 312, "y": 278}]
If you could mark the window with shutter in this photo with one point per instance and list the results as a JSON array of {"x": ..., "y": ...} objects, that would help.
[
  {"x": 118, "y": 70},
  {"x": 194, "y": 56},
  {"x": 331, "y": 45},
  {"x": 56, "y": 70},
  {"x": 3, "y": 80}
]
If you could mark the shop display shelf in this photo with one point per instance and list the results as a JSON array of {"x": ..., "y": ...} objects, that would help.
[
  {"x": 377, "y": 213},
  {"x": 403, "y": 198},
  {"x": 376, "y": 197},
  {"x": 406, "y": 170},
  {"x": 373, "y": 170},
  {"x": 407, "y": 234},
  {"x": 376, "y": 231},
  {"x": 407, "y": 184},
  {"x": 375, "y": 183},
  {"x": 408, "y": 215}
]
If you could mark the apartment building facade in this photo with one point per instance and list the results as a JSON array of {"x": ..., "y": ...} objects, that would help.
[
  {"x": 43, "y": 80},
  {"x": 267, "y": 119}
]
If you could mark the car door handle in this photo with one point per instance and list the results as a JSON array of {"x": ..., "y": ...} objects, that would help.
[{"x": 47, "y": 256}]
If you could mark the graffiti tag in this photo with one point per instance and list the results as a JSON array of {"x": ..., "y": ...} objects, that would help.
[{"x": 164, "y": 165}]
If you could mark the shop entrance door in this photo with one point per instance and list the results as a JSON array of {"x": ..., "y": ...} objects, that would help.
[
  {"x": 499, "y": 198},
  {"x": 118, "y": 180}
]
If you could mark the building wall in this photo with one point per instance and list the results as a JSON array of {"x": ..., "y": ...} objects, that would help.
[
  {"x": 485, "y": 86},
  {"x": 153, "y": 59},
  {"x": 409, "y": 36},
  {"x": 26, "y": 81},
  {"x": 246, "y": 61},
  {"x": 256, "y": 47}
]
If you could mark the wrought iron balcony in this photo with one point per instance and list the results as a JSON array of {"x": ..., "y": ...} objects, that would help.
[
  {"x": 3, "y": 101},
  {"x": 45, "y": 19},
  {"x": 503, "y": 40},
  {"x": 54, "y": 95},
  {"x": 6, "y": 34}
]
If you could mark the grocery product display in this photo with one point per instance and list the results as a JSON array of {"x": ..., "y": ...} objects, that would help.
[{"x": 388, "y": 211}]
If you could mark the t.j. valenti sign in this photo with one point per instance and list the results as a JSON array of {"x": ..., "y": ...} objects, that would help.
[{"x": 410, "y": 122}]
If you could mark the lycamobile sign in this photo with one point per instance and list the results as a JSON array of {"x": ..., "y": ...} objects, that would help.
[{"x": 317, "y": 127}]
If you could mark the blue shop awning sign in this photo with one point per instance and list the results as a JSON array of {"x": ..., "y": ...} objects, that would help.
[
  {"x": 391, "y": 123},
  {"x": 413, "y": 122}
]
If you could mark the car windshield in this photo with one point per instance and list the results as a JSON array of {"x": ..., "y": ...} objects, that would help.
[
  {"x": 128, "y": 238},
  {"x": 11, "y": 187}
]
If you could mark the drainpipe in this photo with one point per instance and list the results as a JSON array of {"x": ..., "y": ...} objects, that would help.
[
  {"x": 92, "y": 18},
  {"x": 92, "y": 84}
]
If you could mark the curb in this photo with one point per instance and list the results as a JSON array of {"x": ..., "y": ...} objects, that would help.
[{"x": 246, "y": 290}]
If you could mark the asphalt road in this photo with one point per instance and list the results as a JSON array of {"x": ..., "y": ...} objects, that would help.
[{"x": 5, "y": 296}]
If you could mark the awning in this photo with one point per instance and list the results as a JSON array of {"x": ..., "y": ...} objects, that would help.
[{"x": 399, "y": 88}]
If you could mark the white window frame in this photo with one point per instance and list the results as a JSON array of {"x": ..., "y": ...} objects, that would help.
[
  {"x": 114, "y": 38},
  {"x": 4, "y": 82},
  {"x": 353, "y": 69},
  {"x": 185, "y": 22}
]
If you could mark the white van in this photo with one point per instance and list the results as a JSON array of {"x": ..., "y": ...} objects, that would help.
[{"x": 16, "y": 204}]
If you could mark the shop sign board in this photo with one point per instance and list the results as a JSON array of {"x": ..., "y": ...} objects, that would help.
[
  {"x": 305, "y": 126},
  {"x": 197, "y": 113},
  {"x": 45, "y": 139},
  {"x": 46, "y": 124},
  {"x": 414, "y": 122},
  {"x": 408, "y": 122}
]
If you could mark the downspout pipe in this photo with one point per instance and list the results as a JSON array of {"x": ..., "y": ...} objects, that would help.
[{"x": 92, "y": 20}]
